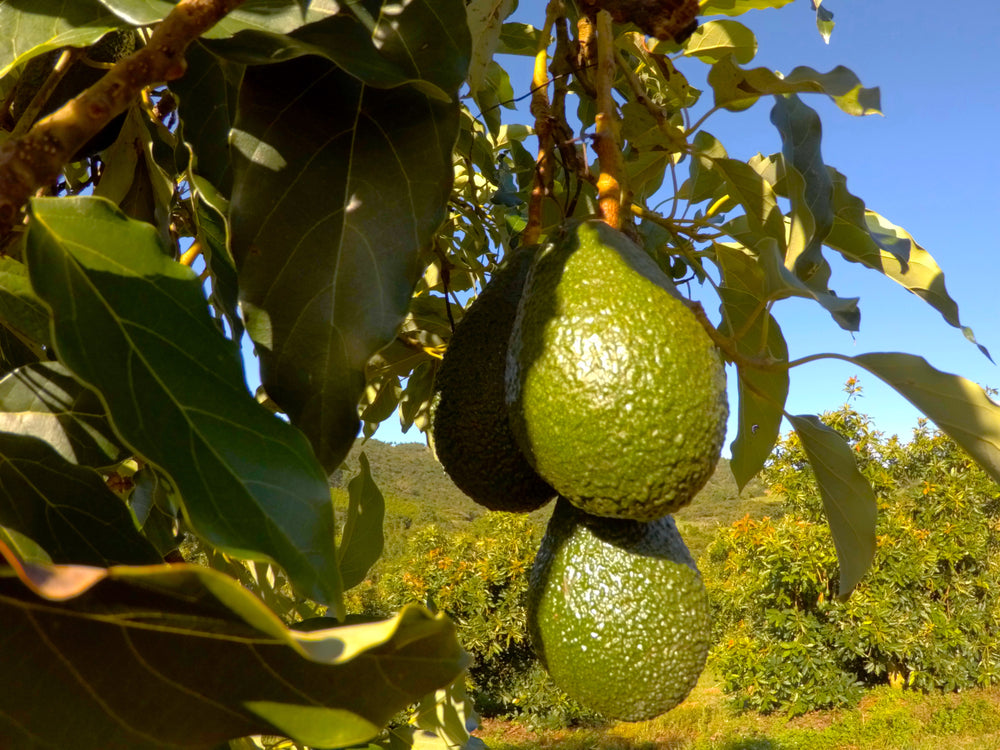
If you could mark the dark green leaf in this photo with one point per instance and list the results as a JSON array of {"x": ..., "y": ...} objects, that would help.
[
  {"x": 167, "y": 657},
  {"x": 212, "y": 231},
  {"x": 45, "y": 400},
  {"x": 811, "y": 193},
  {"x": 133, "y": 324},
  {"x": 756, "y": 196},
  {"x": 15, "y": 352},
  {"x": 519, "y": 39},
  {"x": 270, "y": 16},
  {"x": 326, "y": 273},
  {"x": 737, "y": 89},
  {"x": 762, "y": 392},
  {"x": 847, "y": 497},
  {"x": 783, "y": 283},
  {"x": 824, "y": 20},
  {"x": 715, "y": 39},
  {"x": 495, "y": 93},
  {"x": 863, "y": 236},
  {"x": 417, "y": 43},
  {"x": 206, "y": 104},
  {"x": 645, "y": 170},
  {"x": 958, "y": 406},
  {"x": 704, "y": 181},
  {"x": 65, "y": 509},
  {"x": 361, "y": 544},
  {"x": 155, "y": 508},
  {"x": 20, "y": 308},
  {"x": 44, "y": 25}
]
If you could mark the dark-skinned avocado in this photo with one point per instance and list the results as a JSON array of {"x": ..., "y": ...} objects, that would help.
[
  {"x": 82, "y": 74},
  {"x": 469, "y": 425}
]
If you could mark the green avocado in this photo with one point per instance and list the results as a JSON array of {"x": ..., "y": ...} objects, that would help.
[
  {"x": 83, "y": 74},
  {"x": 469, "y": 426},
  {"x": 617, "y": 395},
  {"x": 618, "y": 613}
]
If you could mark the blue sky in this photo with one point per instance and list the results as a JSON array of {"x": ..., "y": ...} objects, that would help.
[{"x": 930, "y": 165}]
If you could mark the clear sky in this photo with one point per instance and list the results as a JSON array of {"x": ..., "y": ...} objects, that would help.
[{"x": 930, "y": 165}]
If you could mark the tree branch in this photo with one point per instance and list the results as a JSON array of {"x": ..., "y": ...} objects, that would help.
[
  {"x": 606, "y": 141},
  {"x": 35, "y": 159}
]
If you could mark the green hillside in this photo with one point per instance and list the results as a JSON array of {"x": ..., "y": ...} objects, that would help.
[{"x": 418, "y": 492}]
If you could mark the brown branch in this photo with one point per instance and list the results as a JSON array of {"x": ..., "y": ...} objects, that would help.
[
  {"x": 609, "y": 155},
  {"x": 35, "y": 159},
  {"x": 543, "y": 127}
]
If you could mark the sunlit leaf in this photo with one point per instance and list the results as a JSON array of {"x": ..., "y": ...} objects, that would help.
[
  {"x": 863, "y": 236},
  {"x": 179, "y": 656},
  {"x": 311, "y": 141},
  {"x": 23, "y": 547},
  {"x": 847, "y": 497},
  {"x": 134, "y": 325},
  {"x": 736, "y": 7},
  {"x": 121, "y": 159},
  {"x": 66, "y": 509},
  {"x": 737, "y": 89},
  {"x": 958, "y": 406},
  {"x": 44, "y": 400},
  {"x": 715, "y": 39},
  {"x": 486, "y": 21}
]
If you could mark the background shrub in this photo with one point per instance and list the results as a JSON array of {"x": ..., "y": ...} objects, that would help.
[
  {"x": 925, "y": 616},
  {"x": 478, "y": 575}
]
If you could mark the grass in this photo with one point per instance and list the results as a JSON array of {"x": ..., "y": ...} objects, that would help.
[{"x": 887, "y": 719}]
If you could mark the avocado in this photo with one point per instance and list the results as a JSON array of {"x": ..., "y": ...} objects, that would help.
[
  {"x": 110, "y": 48},
  {"x": 616, "y": 394},
  {"x": 469, "y": 426},
  {"x": 618, "y": 613}
]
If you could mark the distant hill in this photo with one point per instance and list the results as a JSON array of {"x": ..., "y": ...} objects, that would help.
[{"x": 416, "y": 486}]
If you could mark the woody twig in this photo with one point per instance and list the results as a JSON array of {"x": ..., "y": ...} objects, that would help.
[
  {"x": 606, "y": 141},
  {"x": 543, "y": 126}
]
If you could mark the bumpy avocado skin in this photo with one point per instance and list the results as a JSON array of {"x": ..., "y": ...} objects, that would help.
[
  {"x": 112, "y": 47},
  {"x": 470, "y": 428},
  {"x": 618, "y": 613},
  {"x": 617, "y": 395}
]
